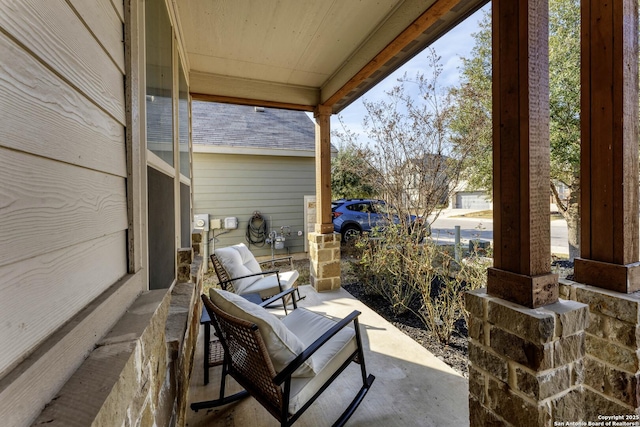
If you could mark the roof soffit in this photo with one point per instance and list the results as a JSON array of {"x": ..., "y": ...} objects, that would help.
[{"x": 301, "y": 52}]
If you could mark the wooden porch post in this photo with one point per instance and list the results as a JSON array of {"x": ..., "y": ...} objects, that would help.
[
  {"x": 324, "y": 244},
  {"x": 324, "y": 222},
  {"x": 522, "y": 249},
  {"x": 609, "y": 150}
]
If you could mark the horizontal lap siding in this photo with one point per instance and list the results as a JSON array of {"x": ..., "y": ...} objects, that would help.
[
  {"x": 44, "y": 116},
  {"x": 237, "y": 185},
  {"x": 48, "y": 205},
  {"x": 53, "y": 33},
  {"x": 63, "y": 203},
  {"x": 106, "y": 24},
  {"x": 40, "y": 294}
]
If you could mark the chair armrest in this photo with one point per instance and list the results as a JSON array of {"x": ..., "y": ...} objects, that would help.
[
  {"x": 251, "y": 275},
  {"x": 270, "y": 272},
  {"x": 282, "y": 295},
  {"x": 315, "y": 346},
  {"x": 275, "y": 259}
]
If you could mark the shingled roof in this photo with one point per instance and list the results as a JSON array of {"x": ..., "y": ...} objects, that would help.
[{"x": 246, "y": 127}]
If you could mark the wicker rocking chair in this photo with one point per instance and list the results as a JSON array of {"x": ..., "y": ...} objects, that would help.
[
  {"x": 283, "y": 364},
  {"x": 238, "y": 271}
]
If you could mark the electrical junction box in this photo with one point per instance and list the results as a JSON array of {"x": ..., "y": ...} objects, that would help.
[
  {"x": 201, "y": 221},
  {"x": 231, "y": 223},
  {"x": 215, "y": 223}
]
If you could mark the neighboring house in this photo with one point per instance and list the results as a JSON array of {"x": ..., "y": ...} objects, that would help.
[
  {"x": 426, "y": 180},
  {"x": 467, "y": 199},
  {"x": 464, "y": 197},
  {"x": 248, "y": 159}
]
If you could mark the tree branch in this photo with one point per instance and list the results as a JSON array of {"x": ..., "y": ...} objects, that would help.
[{"x": 556, "y": 197}]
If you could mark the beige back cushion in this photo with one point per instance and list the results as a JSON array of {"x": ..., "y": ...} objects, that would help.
[
  {"x": 239, "y": 261},
  {"x": 283, "y": 346}
]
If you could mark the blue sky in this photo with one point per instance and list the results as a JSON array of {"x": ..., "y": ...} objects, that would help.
[{"x": 451, "y": 47}]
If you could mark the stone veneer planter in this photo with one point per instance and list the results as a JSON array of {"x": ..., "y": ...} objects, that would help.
[{"x": 139, "y": 372}]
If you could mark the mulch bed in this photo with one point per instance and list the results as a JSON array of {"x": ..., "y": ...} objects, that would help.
[{"x": 455, "y": 354}]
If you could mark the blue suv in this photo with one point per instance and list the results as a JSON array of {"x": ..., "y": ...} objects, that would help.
[{"x": 353, "y": 216}]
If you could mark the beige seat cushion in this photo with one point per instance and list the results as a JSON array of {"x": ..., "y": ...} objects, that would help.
[
  {"x": 268, "y": 285},
  {"x": 288, "y": 278},
  {"x": 283, "y": 345},
  {"x": 309, "y": 326}
]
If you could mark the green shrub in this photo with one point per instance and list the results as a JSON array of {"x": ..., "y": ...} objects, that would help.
[{"x": 419, "y": 277}]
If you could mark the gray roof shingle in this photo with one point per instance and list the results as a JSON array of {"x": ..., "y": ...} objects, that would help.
[{"x": 244, "y": 126}]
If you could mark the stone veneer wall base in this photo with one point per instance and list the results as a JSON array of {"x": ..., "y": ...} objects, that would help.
[
  {"x": 612, "y": 346},
  {"x": 324, "y": 256},
  {"x": 526, "y": 366},
  {"x": 139, "y": 372}
]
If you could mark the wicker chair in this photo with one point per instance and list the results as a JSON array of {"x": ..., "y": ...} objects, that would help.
[
  {"x": 239, "y": 272},
  {"x": 285, "y": 384}
]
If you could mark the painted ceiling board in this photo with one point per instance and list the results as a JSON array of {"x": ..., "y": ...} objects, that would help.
[{"x": 317, "y": 44}]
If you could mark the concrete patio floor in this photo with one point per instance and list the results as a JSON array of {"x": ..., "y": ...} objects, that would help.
[{"x": 412, "y": 387}]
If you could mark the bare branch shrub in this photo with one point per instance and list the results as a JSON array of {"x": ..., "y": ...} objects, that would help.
[
  {"x": 407, "y": 149},
  {"x": 386, "y": 258},
  {"x": 419, "y": 277}
]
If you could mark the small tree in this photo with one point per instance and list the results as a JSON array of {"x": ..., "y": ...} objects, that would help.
[
  {"x": 410, "y": 159},
  {"x": 351, "y": 174}
]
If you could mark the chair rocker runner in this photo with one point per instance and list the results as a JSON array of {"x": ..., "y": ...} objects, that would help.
[
  {"x": 238, "y": 271},
  {"x": 284, "y": 364}
]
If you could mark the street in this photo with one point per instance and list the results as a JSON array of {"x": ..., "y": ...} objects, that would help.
[{"x": 443, "y": 231}]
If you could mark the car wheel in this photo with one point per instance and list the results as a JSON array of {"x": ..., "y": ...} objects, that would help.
[{"x": 350, "y": 233}]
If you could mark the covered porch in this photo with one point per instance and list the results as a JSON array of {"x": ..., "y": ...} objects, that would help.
[
  {"x": 96, "y": 160},
  {"x": 541, "y": 351},
  {"x": 412, "y": 387}
]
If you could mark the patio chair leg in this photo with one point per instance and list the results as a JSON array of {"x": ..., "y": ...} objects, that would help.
[
  {"x": 360, "y": 358},
  {"x": 367, "y": 380},
  {"x": 221, "y": 400}
]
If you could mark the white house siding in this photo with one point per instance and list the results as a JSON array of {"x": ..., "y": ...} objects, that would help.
[
  {"x": 228, "y": 185},
  {"x": 63, "y": 203}
]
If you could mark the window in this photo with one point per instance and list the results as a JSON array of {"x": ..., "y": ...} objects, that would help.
[
  {"x": 159, "y": 80},
  {"x": 183, "y": 124}
]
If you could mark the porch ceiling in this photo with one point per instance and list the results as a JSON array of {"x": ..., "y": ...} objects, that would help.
[{"x": 299, "y": 54}]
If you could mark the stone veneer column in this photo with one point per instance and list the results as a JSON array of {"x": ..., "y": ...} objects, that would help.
[
  {"x": 184, "y": 261},
  {"x": 525, "y": 365},
  {"x": 324, "y": 254},
  {"x": 611, "y": 362},
  {"x": 324, "y": 244}
]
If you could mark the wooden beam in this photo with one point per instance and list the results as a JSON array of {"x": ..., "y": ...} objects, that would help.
[
  {"x": 253, "y": 102},
  {"x": 522, "y": 247},
  {"x": 609, "y": 145},
  {"x": 324, "y": 220},
  {"x": 529, "y": 291},
  {"x": 417, "y": 27}
]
